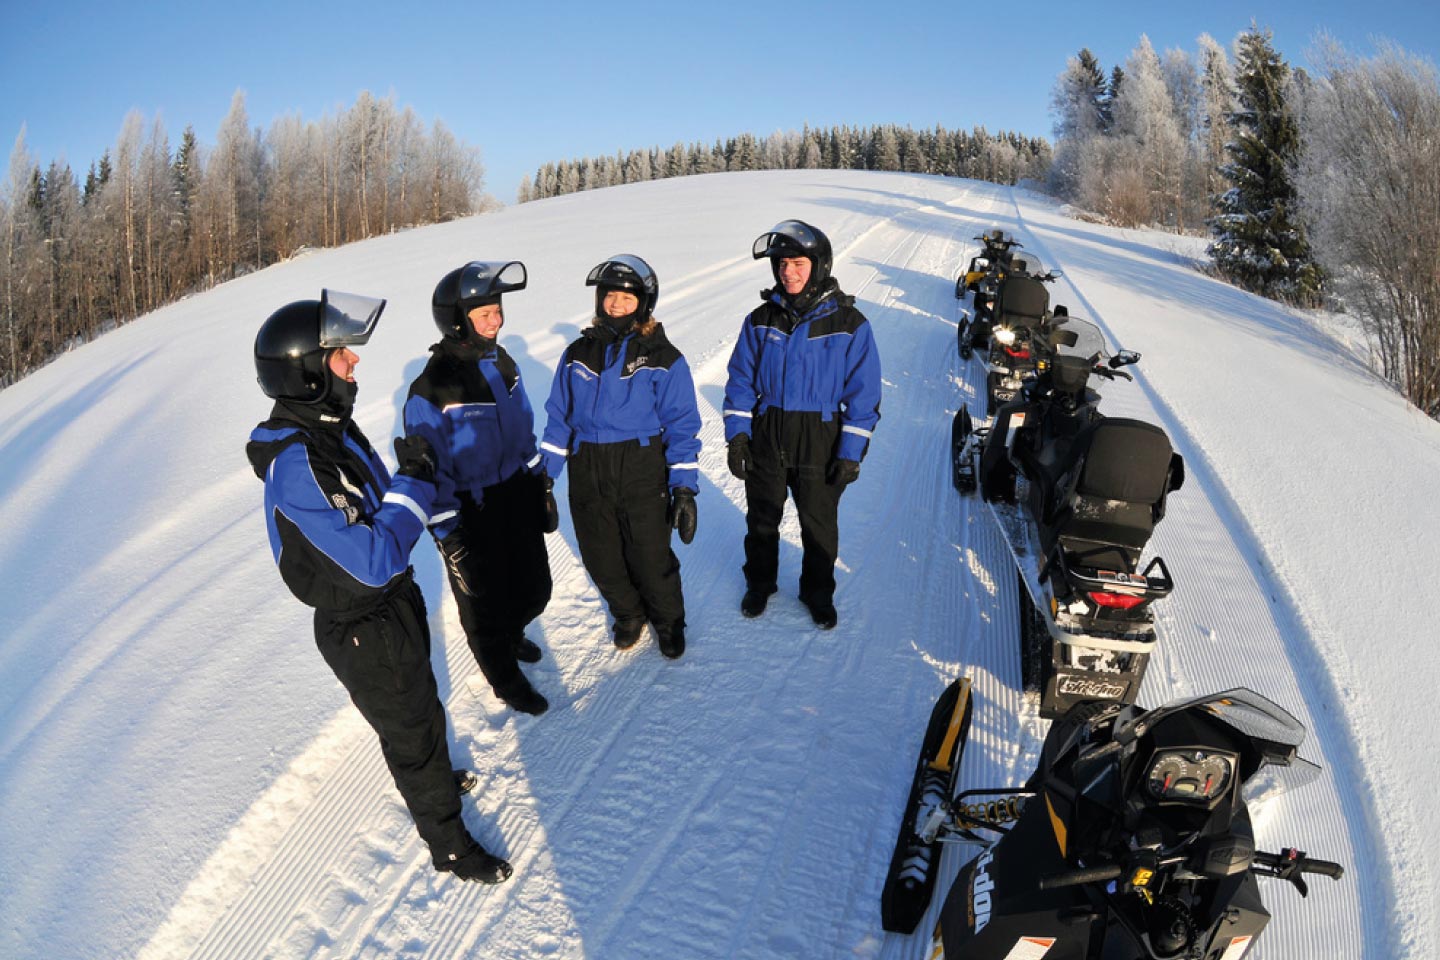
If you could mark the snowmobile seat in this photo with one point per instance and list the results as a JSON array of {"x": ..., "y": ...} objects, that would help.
[
  {"x": 1022, "y": 301},
  {"x": 1111, "y": 494}
]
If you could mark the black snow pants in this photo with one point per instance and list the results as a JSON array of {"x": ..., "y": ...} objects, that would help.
[
  {"x": 792, "y": 450},
  {"x": 501, "y": 574},
  {"x": 619, "y": 495},
  {"x": 382, "y": 656}
]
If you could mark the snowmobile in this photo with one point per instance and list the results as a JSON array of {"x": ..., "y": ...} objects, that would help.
[
  {"x": 1021, "y": 307},
  {"x": 1132, "y": 840},
  {"x": 1077, "y": 496},
  {"x": 981, "y": 281}
]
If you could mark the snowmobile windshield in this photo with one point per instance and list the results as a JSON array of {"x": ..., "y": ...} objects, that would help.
[
  {"x": 1026, "y": 263},
  {"x": 1268, "y": 726},
  {"x": 1073, "y": 337},
  {"x": 347, "y": 319}
]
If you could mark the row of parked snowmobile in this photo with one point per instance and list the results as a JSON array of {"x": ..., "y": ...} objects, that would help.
[{"x": 1132, "y": 838}]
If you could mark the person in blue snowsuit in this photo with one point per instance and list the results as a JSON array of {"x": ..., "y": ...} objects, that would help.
[
  {"x": 490, "y": 512},
  {"x": 341, "y": 532},
  {"x": 801, "y": 400},
  {"x": 622, "y": 414}
]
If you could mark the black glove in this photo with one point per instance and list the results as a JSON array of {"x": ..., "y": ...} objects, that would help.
[
  {"x": 453, "y": 549},
  {"x": 737, "y": 456},
  {"x": 417, "y": 458},
  {"x": 682, "y": 514},
  {"x": 842, "y": 472},
  {"x": 549, "y": 512}
]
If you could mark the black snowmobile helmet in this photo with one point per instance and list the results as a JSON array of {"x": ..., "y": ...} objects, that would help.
[
  {"x": 295, "y": 341},
  {"x": 627, "y": 272},
  {"x": 476, "y": 284},
  {"x": 795, "y": 238}
]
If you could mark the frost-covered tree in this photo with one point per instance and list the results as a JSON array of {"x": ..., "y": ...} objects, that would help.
[
  {"x": 1145, "y": 116},
  {"x": 1259, "y": 242},
  {"x": 1369, "y": 182},
  {"x": 1078, "y": 107},
  {"x": 1217, "y": 103}
]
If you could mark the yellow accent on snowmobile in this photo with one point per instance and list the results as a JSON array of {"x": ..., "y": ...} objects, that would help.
[
  {"x": 957, "y": 716},
  {"x": 1061, "y": 835}
]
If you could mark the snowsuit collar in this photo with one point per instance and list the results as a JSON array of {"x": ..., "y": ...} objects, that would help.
[
  {"x": 294, "y": 423},
  {"x": 812, "y": 304}
]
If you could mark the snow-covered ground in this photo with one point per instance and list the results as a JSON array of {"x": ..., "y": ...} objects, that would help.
[{"x": 180, "y": 775}]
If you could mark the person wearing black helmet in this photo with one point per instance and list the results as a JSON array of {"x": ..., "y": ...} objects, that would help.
[
  {"x": 622, "y": 413},
  {"x": 341, "y": 532},
  {"x": 491, "y": 512},
  {"x": 801, "y": 400}
]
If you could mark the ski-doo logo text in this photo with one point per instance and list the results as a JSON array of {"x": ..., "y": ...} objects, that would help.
[
  {"x": 636, "y": 364},
  {"x": 980, "y": 893}
]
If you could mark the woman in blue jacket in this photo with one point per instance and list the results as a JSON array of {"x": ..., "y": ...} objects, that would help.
[
  {"x": 622, "y": 413},
  {"x": 490, "y": 517}
]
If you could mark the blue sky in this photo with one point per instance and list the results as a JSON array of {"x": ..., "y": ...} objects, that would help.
[{"x": 531, "y": 82}]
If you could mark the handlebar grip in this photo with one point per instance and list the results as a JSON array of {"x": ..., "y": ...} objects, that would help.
[
  {"x": 1325, "y": 868},
  {"x": 1072, "y": 878}
]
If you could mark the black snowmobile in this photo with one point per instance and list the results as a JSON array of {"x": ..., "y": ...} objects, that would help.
[
  {"x": 1021, "y": 308},
  {"x": 981, "y": 281},
  {"x": 1077, "y": 496},
  {"x": 1132, "y": 840}
]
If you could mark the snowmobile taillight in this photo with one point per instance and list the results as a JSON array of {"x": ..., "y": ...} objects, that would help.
[
  {"x": 1120, "y": 601},
  {"x": 1021, "y": 354}
]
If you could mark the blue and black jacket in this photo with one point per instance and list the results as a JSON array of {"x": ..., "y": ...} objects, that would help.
[
  {"x": 819, "y": 360},
  {"x": 610, "y": 388},
  {"x": 471, "y": 405},
  {"x": 340, "y": 530}
]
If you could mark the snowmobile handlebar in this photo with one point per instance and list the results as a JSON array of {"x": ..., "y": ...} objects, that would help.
[
  {"x": 1071, "y": 878},
  {"x": 1290, "y": 862}
]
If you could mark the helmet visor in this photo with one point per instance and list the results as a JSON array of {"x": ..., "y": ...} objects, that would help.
[
  {"x": 482, "y": 279},
  {"x": 625, "y": 271},
  {"x": 347, "y": 319},
  {"x": 783, "y": 238}
]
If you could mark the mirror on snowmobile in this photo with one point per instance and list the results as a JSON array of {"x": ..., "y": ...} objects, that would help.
[
  {"x": 1055, "y": 274},
  {"x": 1124, "y": 358}
]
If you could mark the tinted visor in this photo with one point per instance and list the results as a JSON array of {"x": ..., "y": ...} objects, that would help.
[
  {"x": 483, "y": 279},
  {"x": 786, "y": 238},
  {"x": 347, "y": 319},
  {"x": 624, "y": 272}
]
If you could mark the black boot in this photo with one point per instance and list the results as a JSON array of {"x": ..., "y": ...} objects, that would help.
[
  {"x": 822, "y": 611},
  {"x": 627, "y": 632},
  {"x": 671, "y": 640},
  {"x": 464, "y": 781},
  {"x": 525, "y": 649},
  {"x": 754, "y": 601},
  {"x": 524, "y": 698},
  {"x": 478, "y": 866}
]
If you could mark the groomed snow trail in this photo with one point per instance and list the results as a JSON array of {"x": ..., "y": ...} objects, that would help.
[{"x": 741, "y": 802}]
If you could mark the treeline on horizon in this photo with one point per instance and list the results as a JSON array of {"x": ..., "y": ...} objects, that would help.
[
  {"x": 148, "y": 225},
  {"x": 999, "y": 157}
]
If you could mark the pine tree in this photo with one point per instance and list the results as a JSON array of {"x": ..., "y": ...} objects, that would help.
[{"x": 1260, "y": 244}]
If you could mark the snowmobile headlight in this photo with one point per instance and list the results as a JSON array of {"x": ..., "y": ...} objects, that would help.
[{"x": 1004, "y": 334}]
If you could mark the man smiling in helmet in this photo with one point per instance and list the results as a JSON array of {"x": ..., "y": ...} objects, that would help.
[
  {"x": 802, "y": 398},
  {"x": 491, "y": 511},
  {"x": 341, "y": 533}
]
